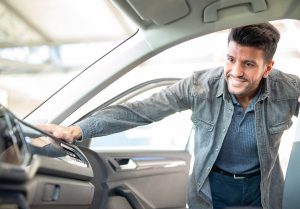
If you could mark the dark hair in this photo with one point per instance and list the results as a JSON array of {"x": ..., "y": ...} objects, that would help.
[{"x": 263, "y": 36}]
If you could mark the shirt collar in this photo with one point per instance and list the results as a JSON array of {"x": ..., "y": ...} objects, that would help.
[{"x": 255, "y": 99}]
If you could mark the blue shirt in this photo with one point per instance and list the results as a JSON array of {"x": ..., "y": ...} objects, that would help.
[{"x": 239, "y": 152}]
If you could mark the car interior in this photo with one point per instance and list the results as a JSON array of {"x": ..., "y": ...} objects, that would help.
[{"x": 38, "y": 170}]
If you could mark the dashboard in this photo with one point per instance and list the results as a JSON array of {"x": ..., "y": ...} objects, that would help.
[{"x": 38, "y": 170}]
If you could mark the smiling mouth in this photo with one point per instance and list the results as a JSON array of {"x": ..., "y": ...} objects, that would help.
[{"x": 236, "y": 81}]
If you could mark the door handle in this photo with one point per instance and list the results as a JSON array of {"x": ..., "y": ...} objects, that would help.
[
  {"x": 211, "y": 11},
  {"x": 130, "y": 165},
  {"x": 122, "y": 164},
  {"x": 141, "y": 163}
]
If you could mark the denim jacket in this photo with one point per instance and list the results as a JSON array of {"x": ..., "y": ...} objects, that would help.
[{"x": 206, "y": 94}]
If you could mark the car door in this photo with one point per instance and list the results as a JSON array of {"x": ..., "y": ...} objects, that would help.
[
  {"x": 146, "y": 167},
  {"x": 135, "y": 173},
  {"x": 292, "y": 183}
]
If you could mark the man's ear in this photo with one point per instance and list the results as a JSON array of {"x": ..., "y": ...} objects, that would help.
[{"x": 268, "y": 68}]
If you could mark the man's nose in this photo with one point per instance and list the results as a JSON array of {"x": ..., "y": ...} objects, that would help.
[{"x": 237, "y": 70}]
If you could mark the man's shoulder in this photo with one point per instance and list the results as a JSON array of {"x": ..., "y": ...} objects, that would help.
[
  {"x": 282, "y": 77},
  {"x": 207, "y": 75},
  {"x": 280, "y": 82}
]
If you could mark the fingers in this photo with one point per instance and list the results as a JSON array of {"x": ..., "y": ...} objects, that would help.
[{"x": 57, "y": 131}]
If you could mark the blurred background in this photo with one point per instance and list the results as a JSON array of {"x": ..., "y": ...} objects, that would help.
[{"x": 44, "y": 44}]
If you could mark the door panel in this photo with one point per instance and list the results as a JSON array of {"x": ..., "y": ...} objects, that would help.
[
  {"x": 140, "y": 180},
  {"x": 133, "y": 168},
  {"x": 158, "y": 179}
]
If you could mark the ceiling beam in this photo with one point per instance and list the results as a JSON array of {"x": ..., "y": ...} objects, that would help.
[{"x": 27, "y": 22}]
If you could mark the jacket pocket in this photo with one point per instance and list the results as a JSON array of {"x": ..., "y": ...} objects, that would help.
[
  {"x": 280, "y": 127},
  {"x": 275, "y": 134},
  {"x": 205, "y": 125}
]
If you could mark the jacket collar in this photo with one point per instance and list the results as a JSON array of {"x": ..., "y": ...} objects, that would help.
[
  {"x": 265, "y": 89},
  {"x": 222, "y": 88}
]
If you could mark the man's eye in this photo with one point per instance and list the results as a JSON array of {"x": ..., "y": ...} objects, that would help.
[
  {"x": 249, "y": 64},
  {"x": 230, "y": 59}
]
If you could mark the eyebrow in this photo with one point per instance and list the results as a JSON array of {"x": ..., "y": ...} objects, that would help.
[
  {"x": 251, "y": 61},
  {"x": 247, "y": 60}
]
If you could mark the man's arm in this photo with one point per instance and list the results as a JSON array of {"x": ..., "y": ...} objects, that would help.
[{"x": 119, "y": 118}]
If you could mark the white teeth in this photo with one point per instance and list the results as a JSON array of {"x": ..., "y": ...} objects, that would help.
[{"x": 236, "y": 82}]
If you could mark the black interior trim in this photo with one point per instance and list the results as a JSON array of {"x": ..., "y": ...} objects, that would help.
[
  {"x": 13, "y": 198},
  {"x": 99, "y": 179},
  {"x": 130, "y": 197}
]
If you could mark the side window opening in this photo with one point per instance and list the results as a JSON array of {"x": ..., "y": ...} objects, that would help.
[{"x": 171, "y": 133}]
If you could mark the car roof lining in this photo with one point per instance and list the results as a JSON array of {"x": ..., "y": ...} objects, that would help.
[
  {"x": 202, "y": 18},
  {"x": 159, "y": 12}
]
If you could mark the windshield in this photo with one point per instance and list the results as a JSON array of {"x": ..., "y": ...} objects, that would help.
[{"x": 44, "y": 44}]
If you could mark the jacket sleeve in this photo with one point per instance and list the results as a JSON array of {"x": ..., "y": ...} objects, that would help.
[{"x": 117, "y": 118}]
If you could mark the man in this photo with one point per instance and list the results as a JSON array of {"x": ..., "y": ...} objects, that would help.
[{"x": 240, "y": 112}]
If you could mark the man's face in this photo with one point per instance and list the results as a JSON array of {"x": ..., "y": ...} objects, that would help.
[{"x": 244, "y": 69}]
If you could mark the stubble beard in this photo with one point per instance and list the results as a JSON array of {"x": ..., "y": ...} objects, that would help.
[{"x": 237, "y": 88}]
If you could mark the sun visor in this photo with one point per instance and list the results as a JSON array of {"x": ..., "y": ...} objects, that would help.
[{"x": 147, "y": 12}]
